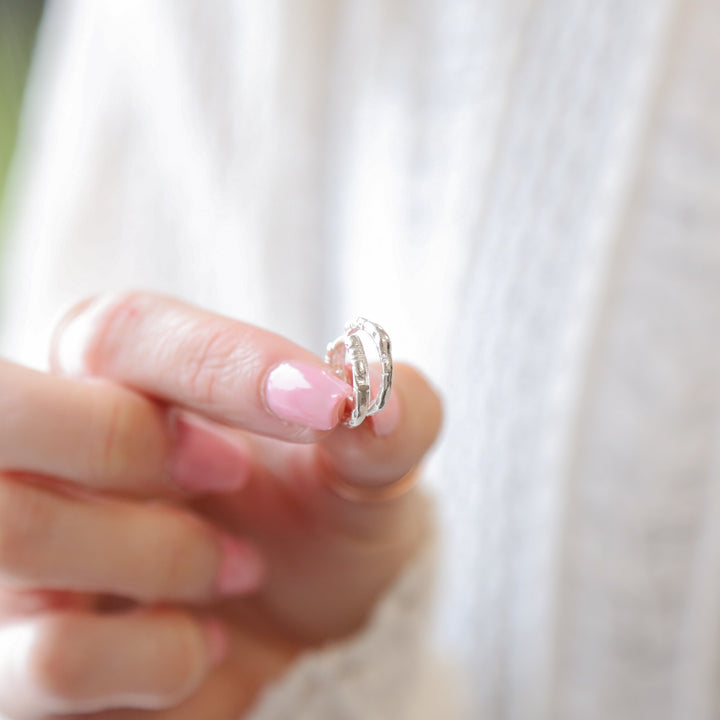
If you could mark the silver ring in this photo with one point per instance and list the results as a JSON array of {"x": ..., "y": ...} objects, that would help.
[{"x": 347, "y": 359}]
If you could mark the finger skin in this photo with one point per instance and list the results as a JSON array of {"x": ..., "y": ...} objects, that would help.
[
  {"x": 212, "y": 365},
  {"x": 78, "y": 662},
  {"x": 99, "y": 435},
  {"x": 144, "y": 551}
]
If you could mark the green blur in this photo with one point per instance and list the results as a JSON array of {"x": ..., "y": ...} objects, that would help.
[{"x": 18, "y": 24}]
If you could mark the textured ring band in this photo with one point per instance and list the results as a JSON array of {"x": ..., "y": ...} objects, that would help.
[{"x": 346, "y": 356}]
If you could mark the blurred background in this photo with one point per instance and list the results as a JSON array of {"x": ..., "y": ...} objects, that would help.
[{"x": 18, "y": 24}]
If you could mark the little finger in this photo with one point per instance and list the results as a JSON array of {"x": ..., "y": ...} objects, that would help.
[{"x": 76, "y": 662}]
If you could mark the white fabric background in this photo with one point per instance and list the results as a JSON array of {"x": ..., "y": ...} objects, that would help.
[{"x": 526, "y": 194}]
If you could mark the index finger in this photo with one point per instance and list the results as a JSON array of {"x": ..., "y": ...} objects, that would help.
[{"x": 229, "y": 371}]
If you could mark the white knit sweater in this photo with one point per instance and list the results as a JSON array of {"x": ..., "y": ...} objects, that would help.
[{"x": 526, "y": 194}]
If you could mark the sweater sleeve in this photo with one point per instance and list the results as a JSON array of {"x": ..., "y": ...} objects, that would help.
[{"x": 389, "y": 669}]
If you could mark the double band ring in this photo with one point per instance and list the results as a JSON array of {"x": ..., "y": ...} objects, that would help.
[{"x": 348, "y": 360}]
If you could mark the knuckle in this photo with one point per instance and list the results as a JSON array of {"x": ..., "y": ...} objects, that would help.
[
  {"x": 204, "y": 359},
  {"x": 183, "y": 664},
  {"x": 171, "y": 579},
  {"x": 16, "y": 397},
  {"x": 25, "y": 518},
  {"x": 56, "y": 665},
  {"x": 110, "y": 457},
  {"x": 181, "y": 558}
]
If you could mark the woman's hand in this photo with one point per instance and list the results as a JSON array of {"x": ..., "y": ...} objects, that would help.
[{"x": 172, "y": 540}]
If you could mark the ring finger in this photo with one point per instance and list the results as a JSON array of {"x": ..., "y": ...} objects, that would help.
[{"x": 144, "y": 551}]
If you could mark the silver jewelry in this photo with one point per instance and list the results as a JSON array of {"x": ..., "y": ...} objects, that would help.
[{"x": 347, "y": 359}]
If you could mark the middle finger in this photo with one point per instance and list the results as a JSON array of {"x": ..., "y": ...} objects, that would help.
[{"x": 102, "y": 436}]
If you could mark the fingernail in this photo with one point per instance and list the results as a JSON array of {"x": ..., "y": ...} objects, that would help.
[
  {"x": 241, "y": 568},
  {"x": 306, "y": 395},
  {"x": 385, "y": 421},
  {"x": 206, "y": 461},
  {"x": 217, "y": 640}
]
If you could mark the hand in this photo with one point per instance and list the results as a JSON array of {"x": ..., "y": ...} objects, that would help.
[{"x": 170, "y": 541}]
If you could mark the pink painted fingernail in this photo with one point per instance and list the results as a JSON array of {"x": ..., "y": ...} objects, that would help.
[
  {"x": 241, "y": 567},
  {"x": 206, "y": 461},
  {"x": 306, "y": 395},
  {"x": 385, "y": 421},
  {"x": 217, "y": 640}
]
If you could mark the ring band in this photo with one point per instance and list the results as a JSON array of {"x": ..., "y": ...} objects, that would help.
[{"x": 347, "y": 359}]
